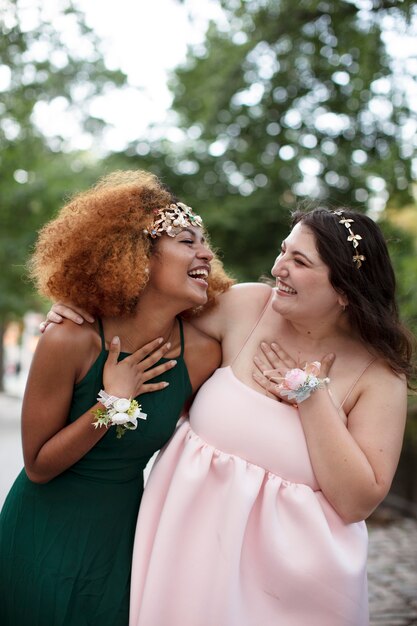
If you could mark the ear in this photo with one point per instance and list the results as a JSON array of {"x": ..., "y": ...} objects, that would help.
[{"x": 342, "y": 300}]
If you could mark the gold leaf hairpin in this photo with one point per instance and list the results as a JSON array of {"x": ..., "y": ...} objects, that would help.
[{"x": 357, "y": 258}]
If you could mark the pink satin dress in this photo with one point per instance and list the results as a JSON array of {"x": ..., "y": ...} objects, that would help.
[{"x": 233, "y": 528}]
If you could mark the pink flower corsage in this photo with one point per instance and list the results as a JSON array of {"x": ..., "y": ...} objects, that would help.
[{"x": 298, "y": 384}]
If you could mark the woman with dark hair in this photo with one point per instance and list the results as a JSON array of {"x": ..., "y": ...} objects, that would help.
[
  {"x": 372, "y": 309},
  {"x": 136, "y": 258},
  {"x": 254, "y": 512}
]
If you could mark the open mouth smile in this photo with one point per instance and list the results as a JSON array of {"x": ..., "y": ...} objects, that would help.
[
  {"x": 282, "y": 287},
  {"x": 200, "y": 274}
]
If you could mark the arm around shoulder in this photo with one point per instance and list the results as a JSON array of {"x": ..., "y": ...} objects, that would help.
[{"x": 242, "y": 298}]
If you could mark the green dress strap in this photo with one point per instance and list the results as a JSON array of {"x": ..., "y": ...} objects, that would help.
[
  {"x": 181, "y": 336},
  {"x": 101, "y": 331}
]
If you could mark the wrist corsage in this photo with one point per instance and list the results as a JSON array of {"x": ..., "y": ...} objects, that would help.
[
  {"x": 299, "y": 384},
  {"x": 121, "y": 412}
]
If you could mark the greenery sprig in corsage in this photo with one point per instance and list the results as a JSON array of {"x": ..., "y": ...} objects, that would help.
[{"x": 120, "y": 412}]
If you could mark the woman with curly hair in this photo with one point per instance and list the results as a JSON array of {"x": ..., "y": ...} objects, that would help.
[
  {"x": 135, "y": 258},
  {"x": 256, "y": 507}
]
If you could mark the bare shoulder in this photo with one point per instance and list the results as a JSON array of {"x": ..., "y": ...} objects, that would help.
[
  {"x": 202, "y": 354},
  {"x": 250, "y": 294},
  {"x": 68, "y": 335},
  {"x": 381, "y": 378},
  {"x": 381, "y": 395},
  {"x": 77, "y": 344},
  {"x": 249, "y": 298}
]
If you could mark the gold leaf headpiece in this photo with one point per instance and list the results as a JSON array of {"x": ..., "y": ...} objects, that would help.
[
  {"x": 172, "y": 220},
  {"x": 357, "y": 258}
]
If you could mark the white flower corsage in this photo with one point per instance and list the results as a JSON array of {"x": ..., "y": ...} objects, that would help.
[
  {"x": 121, "y": 412},
  {"x": 299, "y": 384}
]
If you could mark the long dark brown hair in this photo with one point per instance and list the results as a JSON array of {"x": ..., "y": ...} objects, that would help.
[{"x": 370, "y": 289}]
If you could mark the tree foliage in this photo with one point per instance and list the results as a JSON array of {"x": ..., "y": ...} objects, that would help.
[
  {"x": 44, "y": 68},
  {"x": 40, "y": 68},
  {"x": 286, "y": 102}
]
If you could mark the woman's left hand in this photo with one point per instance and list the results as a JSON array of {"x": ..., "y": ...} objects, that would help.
[
  {"x": 275, "y": 363},
  {"x": 271, "y": 367}
]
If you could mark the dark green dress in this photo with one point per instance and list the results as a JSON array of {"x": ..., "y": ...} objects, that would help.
[{"x": 66, "y": 546}]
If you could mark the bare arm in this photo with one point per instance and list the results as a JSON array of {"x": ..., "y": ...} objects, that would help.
[
  {"x": 246, "y": 297},
  {"x": 50, "y": 445},
  {"x": 240, "y": 300},
  {"x": 355, "y": 463}
]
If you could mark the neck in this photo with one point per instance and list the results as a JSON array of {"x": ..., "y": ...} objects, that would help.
[
  {"x": 144, "y": 325},
  {"x": 314, "y": 334}
]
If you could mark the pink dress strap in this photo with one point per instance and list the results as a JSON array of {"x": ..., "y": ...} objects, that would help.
[
  {"x": 254, "y": 327},
  {"x": 357, "y": 379}
]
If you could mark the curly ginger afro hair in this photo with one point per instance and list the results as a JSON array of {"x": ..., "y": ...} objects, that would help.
[{"x": 95, "y": 254}]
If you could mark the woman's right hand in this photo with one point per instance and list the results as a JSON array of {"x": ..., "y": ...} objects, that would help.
[
  {"x": 129, "y": 378},
  {"x": 59, "y": 311}
]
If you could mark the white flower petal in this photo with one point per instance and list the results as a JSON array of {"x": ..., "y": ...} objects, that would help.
[
  {"x": 120, "y": 418},
  {"x": 121, "y": 405}
]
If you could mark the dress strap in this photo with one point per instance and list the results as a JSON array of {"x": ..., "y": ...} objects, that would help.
[
  {"x": 255, "y": 326},
  {"x": 181, "y": 336},
  {"x": 101, "y": 331},
  {"x": 353, "y": 385}
]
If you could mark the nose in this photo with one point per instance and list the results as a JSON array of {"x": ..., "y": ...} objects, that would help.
[
  {"x": 279, "y": 268},
  {"x": 204, "y": 252}
]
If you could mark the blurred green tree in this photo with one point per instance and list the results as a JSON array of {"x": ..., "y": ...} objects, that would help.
[
  {"x": 45, "y": 67},
  {"x": 400, "y": 229},
  {"x": 286, "y": 102}
]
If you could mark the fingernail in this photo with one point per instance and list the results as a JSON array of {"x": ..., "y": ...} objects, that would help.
[
  {"x": 263, "y": 344},
  {"x": 79, "y": 320},
  {"x": 165, "y": 385},
  {"x": 160, "y": 339},
  {"x": 173, "y": 362},
  {"x": 168, "y": 345},
  {"x": 115, "y": 339},
  {"x": 274, "y": 345}
]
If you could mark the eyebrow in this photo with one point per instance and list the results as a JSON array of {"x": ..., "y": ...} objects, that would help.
[
  {"x": 299, "y": 253},
  {"x": 192, "y": 232}
]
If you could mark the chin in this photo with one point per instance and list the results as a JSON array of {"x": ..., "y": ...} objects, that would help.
[
  {"x": 201, "y": 301},
  {"x": 197, "y": 300},
  {"x": 278, "y": 304},
  {"x": 282, "y": 308}
]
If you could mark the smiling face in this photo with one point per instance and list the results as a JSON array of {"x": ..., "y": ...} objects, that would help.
[
  {"x": 179, "y": 267},
  {"x": 303, "y": 289}
]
